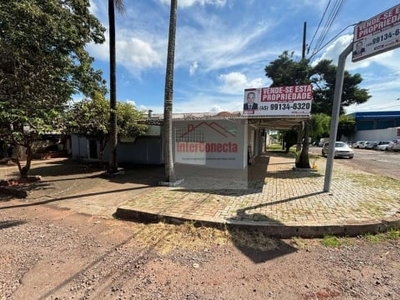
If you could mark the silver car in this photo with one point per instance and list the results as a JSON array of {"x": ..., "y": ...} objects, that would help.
[{"x": 341, "y": 150}]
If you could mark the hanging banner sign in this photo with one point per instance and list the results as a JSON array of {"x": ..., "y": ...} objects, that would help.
[
  {"x": 292, "y": 100},
  {"x": 376, "y": 35}
]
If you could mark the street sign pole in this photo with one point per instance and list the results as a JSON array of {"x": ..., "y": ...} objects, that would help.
[{"x": 337, "y": 99}]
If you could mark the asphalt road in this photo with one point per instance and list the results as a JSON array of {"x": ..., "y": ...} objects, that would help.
[{"x": 379, "y": 162}]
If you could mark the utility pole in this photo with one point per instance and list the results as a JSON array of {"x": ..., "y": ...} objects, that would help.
[
  {"x": 337, "y": 99},
  {"x": 303, "y": 56},
  {"x": 303, "y": 52}
]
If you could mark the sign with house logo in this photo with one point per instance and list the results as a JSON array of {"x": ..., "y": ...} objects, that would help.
[{"x": 217, "y": 143}]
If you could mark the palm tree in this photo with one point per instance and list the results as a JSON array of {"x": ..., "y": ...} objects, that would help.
[
  {"x": 112, "y": 162},
  {"x": 168, "y": 95}
]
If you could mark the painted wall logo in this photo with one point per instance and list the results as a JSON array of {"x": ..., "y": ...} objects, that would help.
[
  {"x": 206, "y": 147},
  {"x": 206, "y": 138}
]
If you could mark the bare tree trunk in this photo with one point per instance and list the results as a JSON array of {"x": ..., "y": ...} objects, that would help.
[
  {"x": 17, "y": 157},
  {"x": 103, "y": 143},
  {"x": 304, "y": 161},
  {"x": 299, "y": 137},
  {"x": 112, "y": 162},
  {"x": 168, "y": 97}
]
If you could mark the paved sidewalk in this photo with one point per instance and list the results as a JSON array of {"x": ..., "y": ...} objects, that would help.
[
  {"x": 281, "y": 201},
  {"x": 271, "y": 197}
]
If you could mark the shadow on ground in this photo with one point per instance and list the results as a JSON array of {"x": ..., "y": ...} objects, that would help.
[{"x": 61, "y": 178}]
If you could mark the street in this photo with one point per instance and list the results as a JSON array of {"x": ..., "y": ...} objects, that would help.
[{"x": 385, "y": 163}]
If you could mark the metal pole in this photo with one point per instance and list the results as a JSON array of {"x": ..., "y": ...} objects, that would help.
[
  {"x": 303, "y": 50},
  {"x": 337, "y": 99}
]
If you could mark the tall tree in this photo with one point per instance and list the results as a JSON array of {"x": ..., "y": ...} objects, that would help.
[
  {"x": 287, "y": 71},
  {"x": 43, "y": 61},
  {"x": 90, "y": 118},
  {"x": 112, "y": 162},
  {"x": 346, "y": 126},
  {"x": 168, "y": 95},
  {"x": 323, "y": 76},
  {"x": 320, "y": 126}
]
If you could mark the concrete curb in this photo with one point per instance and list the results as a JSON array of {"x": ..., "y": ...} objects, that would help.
[{"x": 271, "y": 229}]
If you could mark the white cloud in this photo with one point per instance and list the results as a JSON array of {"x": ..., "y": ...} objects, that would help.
[
  {"x": 188, "y": 3},
  {"x": 206, "y": 41},
  {"x": 333, "y": 51},
  {"x": 235, "y": 82},
  {"x": 380, "y": 75},
  {"x": 193, "y": 68},
  {"x": 216, "y": 108},
  {"x": 134, "y": 54},
  {"x": 93, "y": 7},
  {"x": 131, "y": 102}
]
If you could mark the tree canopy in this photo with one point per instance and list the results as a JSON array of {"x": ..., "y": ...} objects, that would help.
[
  {"x": 90, "y": 118},
  {"x": 43, "y": 62},
  {"x": 323, "y": 76},
  {"x": 285, "y": 70}
]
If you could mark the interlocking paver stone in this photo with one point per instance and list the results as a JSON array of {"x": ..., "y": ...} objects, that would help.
[
  {"x": 277, "y": 194},
  {"x": 270, "y": 195}
]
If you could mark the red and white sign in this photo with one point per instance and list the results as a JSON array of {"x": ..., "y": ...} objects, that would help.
[
  {"x": 218, "y": 144},
  {"x": 378, "y": 34},
  {"x": 292, "y": 100}
]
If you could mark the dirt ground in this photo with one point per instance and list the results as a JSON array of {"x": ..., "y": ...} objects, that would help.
[
  {"x": 52, "y": 253},
  {"x": 49, "y": 253}
]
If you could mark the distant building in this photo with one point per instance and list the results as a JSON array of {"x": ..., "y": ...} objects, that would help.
[
  {"x": 376, "y": 125},
  {"x": 373, "y": 120}
]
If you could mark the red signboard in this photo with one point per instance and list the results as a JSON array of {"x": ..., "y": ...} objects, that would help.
[
  {"x": 378, "y": 34},
  {"x": 294, "y": 100}
]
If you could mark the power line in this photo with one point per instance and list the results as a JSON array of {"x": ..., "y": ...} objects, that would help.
[
  {"x": 319, "y": 24},
  {"x": 328, "y": 42},
  {"x": 332, "y": 16},
  {"x": 329, "y": 23}
]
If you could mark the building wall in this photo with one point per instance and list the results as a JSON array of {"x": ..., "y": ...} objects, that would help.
[
  {"x": 79, "y": 147},
  {"x": 376, "y": 120},
  {"x": 211, "y": 143},
  {"x": 387, "y": 134},
  {"x": 143, "y": 150}
]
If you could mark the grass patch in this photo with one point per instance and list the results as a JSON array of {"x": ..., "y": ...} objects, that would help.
[
  {"x": 165, "y": 238},
  {"x": 374, "y": 209},
  {"x": 373, "y": 180},
  {"x": 275, "y": 147},
  {"x": 374, "y": 238},
  {"x": 253, "y": 240},
  {"x": 300, "y": 243},
  {"x": 334, "y": 242},
  {"x": 392, "y": 234}
]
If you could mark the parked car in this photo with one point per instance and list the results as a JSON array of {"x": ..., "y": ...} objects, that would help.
[
  {"x": 382, "y": 145},
  {"x": 322, "y": 141},
  {"x": 370, "y": 144},
  {"x": 359, "y": 144},
  {"x": 394, "y": 145},
  {"x": 341, "y": 150}
]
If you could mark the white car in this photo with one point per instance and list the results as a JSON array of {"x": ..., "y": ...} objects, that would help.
[
  {"x": 382, "y": 146},
  {"x": 341, "y": 150},
  {"x": 359, "y": 144},
  {"x": 394, "y": 145}
]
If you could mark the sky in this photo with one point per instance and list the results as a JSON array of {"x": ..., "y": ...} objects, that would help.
[{"x": 223, "y": 46}]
